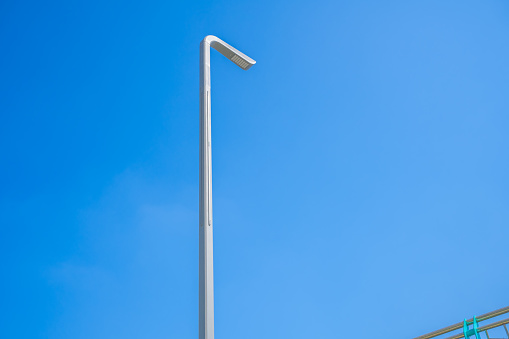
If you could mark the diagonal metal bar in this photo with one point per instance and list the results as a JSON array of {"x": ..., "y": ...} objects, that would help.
[
  {"x": 483, "y": 329},
  {"x": 460, "y": 324}
]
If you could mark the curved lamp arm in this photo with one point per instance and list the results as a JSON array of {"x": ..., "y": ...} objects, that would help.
[{"x": 239, "y": 58}]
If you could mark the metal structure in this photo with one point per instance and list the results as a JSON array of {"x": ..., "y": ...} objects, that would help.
[
  {"x": 206, "y": 284},
  {"x": 470, "y": 327}
]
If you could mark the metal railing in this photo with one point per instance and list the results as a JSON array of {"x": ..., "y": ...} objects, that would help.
[{"x": 502, "y": 323}]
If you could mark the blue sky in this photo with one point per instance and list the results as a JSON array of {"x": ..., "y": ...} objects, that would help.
[{"x": 360, "y": 167}]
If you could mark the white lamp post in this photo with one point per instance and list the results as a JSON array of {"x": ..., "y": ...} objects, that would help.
[{"x": 206, "y": 254}]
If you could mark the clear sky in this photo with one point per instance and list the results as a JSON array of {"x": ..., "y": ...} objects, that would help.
[{"x": 361, "y": 183}]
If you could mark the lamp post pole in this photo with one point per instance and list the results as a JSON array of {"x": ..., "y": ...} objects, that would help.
[{"x": 206, "y": 283}]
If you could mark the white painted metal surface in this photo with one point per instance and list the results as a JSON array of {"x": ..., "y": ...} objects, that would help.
[{"x": 206, "y": 284}]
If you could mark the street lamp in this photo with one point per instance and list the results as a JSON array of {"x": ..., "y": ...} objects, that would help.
[{"x": 206, "y": 254}]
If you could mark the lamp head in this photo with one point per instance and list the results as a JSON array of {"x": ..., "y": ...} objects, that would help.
[{"x": 238, "y": 58}]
